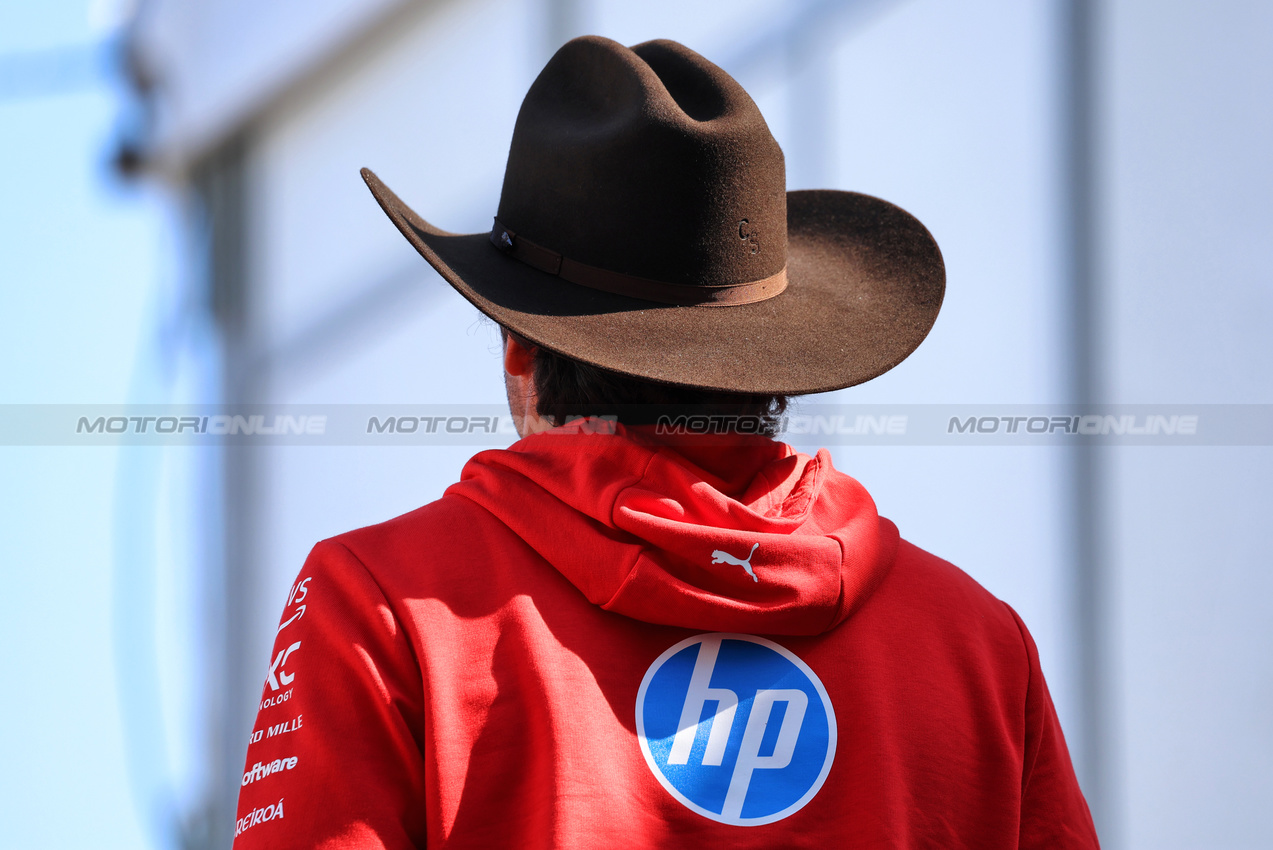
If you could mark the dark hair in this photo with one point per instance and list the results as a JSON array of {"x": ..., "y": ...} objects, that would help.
[{"x": 566, "y": 389}]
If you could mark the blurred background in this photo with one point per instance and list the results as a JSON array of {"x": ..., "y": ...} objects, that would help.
[{"x": 182, "y": 221}]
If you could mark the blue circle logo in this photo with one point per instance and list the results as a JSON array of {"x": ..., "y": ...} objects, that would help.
[{"x": 736, "y": 728}]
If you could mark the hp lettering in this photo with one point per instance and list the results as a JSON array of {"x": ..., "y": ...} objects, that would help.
[{"x": 736, "y": 728}]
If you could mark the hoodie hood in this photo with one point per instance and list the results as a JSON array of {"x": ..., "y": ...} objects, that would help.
[{"x": 713, "y": 533}]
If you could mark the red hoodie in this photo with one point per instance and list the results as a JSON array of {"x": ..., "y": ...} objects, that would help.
[{"x": 565, "y": 651}]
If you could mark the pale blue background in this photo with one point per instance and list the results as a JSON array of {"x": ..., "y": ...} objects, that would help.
[
  {"x": 80, "y": 254},
  {"x": 108, "y": 674}
]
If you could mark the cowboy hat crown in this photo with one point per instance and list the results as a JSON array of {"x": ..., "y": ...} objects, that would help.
[
  {"x": 651, "y": 164},
  {"x": 644, "y": 228}
]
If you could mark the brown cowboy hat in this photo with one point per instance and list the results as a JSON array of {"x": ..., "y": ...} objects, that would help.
[{"x": 645, "y": 227}]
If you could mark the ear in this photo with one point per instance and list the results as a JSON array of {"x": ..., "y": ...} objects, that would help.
[{"x": 519, "y": 356}]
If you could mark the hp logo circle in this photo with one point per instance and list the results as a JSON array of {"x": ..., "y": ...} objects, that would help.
[{"x": 736, "y": 728}]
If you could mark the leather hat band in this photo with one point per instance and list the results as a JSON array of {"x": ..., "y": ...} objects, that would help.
[{"x": 547, "y": 260}]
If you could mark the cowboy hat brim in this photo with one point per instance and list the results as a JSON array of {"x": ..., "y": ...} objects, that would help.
[{"x": 865, "y": 284}]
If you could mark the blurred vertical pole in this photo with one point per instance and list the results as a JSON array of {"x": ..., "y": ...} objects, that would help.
[
  {"x": 220, "y": 184},
  {"x": 1079, "y": 23}
]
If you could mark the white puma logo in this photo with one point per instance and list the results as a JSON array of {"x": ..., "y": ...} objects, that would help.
[{"x": 722, "y": 557}]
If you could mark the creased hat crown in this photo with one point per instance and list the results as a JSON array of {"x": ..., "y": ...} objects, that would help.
[
  {"x": 644, "y": 228},
  {"x": 650, "y": 162}
]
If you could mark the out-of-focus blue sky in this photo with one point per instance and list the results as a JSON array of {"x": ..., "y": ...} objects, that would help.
[{"x": 80, "y": 258}]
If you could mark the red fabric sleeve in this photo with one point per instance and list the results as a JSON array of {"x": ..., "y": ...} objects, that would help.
[
  {"x": 1054, "y": 814},
  {"x": 334, "y": 759}
]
